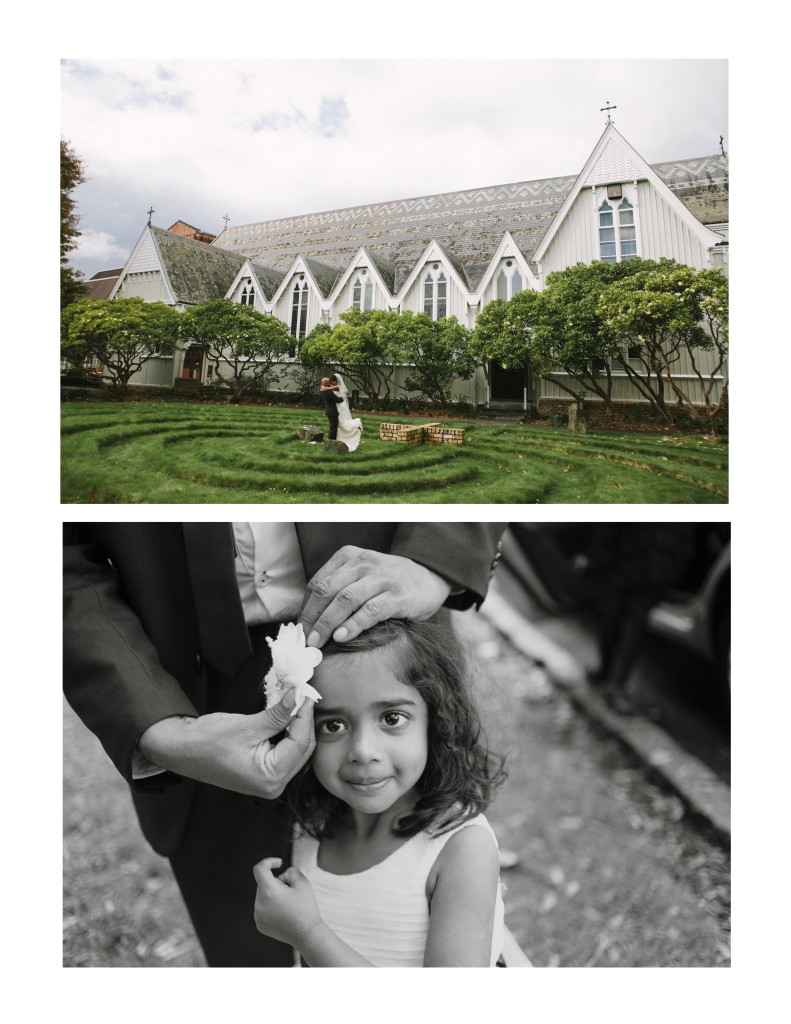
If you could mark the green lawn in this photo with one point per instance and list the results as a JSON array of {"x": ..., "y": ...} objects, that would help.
[{"x": 163, "y": 453}]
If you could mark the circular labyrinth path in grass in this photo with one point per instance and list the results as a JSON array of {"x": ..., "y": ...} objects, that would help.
[{"x": 159, "y": 452}]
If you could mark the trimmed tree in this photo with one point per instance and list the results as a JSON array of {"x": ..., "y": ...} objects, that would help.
[
  {"x": 502, "y": 331},
  {"x": 565, "y": 331},
  {"x": 437, "y": 353},
  {"x": 120, "y": 334},
  {"x": 670, "y": 314},
  {"x": 245, "y": 345},
  {"x": 72, "y": 286},
  {"x": 365, "y": 346},
  {"x": 557, "y": 329}
]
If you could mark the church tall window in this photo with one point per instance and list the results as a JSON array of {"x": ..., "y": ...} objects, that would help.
[
  {"x": 435, "y": 296},
  {"x": 607, "y": 249},
  {"x": 626, "y": 230},
  {"x": 362, "y": 293},
  {"x": 508, "y": 282},
  {"x": 617, "y": 232},
  {"x": 299, "y": 310},
  {"x": 248, "y": 296}
]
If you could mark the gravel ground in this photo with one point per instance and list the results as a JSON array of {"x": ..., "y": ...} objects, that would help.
[{"x": 608, "y": 870}]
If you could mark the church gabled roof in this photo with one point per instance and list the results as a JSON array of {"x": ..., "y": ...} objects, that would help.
[
  {"x": 197, "y": 272},
  {"x": 469, "y": 225}
]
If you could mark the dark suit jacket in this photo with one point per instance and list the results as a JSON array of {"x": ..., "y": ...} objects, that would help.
[
  {"x": 331, "y": 403},
  {"x": 136, "y": 641}
]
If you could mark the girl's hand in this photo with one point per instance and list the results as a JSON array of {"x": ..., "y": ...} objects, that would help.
[{"x": 285, "y": 907}]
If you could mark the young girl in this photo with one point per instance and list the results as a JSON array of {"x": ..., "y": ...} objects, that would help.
[{"x": 396, "y": 865}]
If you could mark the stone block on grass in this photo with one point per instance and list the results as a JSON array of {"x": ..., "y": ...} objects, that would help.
[
  {"x": 309, "y": 433},
  {"x": 336, "y": 447}
]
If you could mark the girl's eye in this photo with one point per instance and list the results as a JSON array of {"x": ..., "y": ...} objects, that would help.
[
  {"x": 330, "y": 727},
  {"x": 394, "y": 718}
]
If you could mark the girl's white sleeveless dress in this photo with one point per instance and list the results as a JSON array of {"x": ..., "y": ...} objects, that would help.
[{"x": 383, "y": 912}]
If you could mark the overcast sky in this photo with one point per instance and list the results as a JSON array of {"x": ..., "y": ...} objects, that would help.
[{"x": 261, "y": 139}]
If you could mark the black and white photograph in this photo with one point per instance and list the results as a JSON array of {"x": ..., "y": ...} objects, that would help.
[{"x": 397, "y": 745}]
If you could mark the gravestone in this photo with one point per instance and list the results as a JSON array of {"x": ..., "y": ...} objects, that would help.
[{"x": 577, "y": 424}]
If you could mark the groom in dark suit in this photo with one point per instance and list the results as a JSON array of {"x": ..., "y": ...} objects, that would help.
[
  {"x": 165, "y": 628},
  {"x": 329, "y": 388}
]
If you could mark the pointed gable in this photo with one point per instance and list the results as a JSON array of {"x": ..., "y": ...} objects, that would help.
[{"x": 614, "y": 161}]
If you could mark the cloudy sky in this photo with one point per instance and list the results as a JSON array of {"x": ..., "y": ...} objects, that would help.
[{"x": 261, "y": 139}]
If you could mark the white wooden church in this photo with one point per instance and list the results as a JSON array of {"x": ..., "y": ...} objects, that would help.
[{"x": 446, "y": 255}]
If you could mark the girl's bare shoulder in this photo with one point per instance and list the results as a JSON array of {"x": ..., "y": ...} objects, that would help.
[{"x": 469, "y": 853}]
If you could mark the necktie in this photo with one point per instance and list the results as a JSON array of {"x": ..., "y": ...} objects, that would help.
[{"x": 225, "y": 642}]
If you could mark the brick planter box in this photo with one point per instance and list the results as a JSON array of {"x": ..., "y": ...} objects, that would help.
[
  {"x": 428, "y": 433},
  {"x": 435, "y": 434}
]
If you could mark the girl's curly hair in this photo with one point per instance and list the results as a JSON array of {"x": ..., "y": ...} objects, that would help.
[{"x": 461, "y": 772}]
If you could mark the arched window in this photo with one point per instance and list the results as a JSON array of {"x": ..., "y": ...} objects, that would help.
[
  {"x": 606, "y": 234},
  {"x": 621, "y": 244},
  {"x": 626, "y": 230},
  {"x": 362, "y": 292},
  {"x": 435, "y": 296},
  {"x": 428, "y": 295},
  {"x": 508, "y": 282},
  {"x": 299, "y": 310},
  {"x": 248, "y": 296}
]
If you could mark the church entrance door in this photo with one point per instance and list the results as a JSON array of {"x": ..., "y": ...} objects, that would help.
[
  {"x": 507, "y": 385},
  {"x": 193, "y": 363}
]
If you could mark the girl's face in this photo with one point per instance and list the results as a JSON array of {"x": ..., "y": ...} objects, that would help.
[{"x": 371, "y": 732}]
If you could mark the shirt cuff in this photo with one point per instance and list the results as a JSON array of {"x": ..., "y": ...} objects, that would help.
[{"x": 142, "y": 768}]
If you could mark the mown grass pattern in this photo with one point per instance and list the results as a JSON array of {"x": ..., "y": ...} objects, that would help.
[{"x": 153, "y": 452}]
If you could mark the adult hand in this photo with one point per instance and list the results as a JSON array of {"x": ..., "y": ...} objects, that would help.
[
  {"x": 235, "y": 751},
  {"x": 285, "y": 907},
  {"x": 358, "y": 588}
]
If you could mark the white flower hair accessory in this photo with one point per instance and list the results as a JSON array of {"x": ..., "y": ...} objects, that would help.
[{"x": 293, "y": 663}]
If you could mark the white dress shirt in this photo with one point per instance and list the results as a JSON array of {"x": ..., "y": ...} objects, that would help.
[{"x": 269, "y": 572}]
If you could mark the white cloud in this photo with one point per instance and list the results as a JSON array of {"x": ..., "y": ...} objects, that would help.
[{"x": 100, "y": 245}]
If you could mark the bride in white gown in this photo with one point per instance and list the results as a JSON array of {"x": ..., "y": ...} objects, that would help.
[{"x": 349, "y": 430}]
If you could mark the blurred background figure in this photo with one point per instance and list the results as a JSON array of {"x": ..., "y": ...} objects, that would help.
[{"x": 645, "y": 608}]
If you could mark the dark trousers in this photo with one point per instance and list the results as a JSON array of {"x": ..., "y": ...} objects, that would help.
[
  {"x": 226, "y": 835},
  {"x": 333, "y": 418}
]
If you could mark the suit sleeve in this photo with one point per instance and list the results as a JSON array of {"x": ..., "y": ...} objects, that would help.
[
  {"x": 113, "y": 677},
  {"x": 465, "y": 554}
]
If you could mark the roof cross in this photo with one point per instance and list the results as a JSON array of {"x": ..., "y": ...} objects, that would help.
[
  {"x": 152, "y": 210},
  {"x": 609, "y": 119},
  {"x": 226, "y": 218}
]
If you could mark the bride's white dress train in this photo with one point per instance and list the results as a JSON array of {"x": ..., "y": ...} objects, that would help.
[{"x": 350, "y": 428}]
